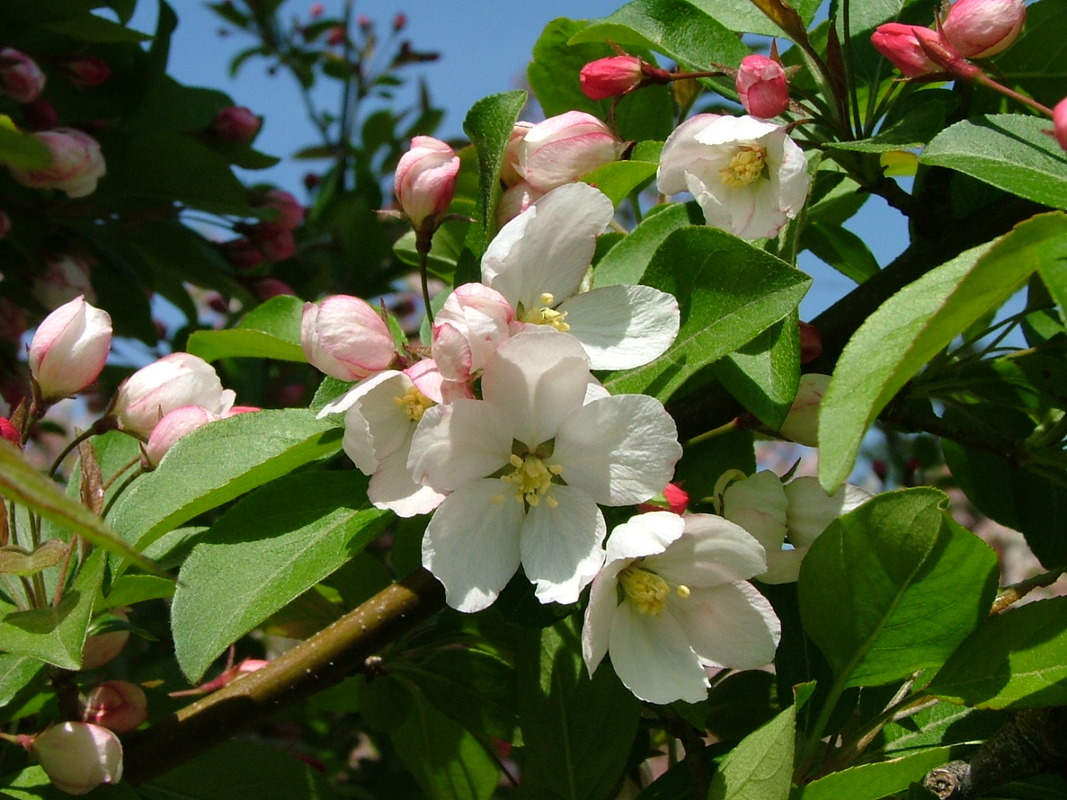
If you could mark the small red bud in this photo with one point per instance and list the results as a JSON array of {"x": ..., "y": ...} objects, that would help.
[
  {"x": 235, "y": 124},
  {"x": 810, "y": 342},
  {"x": 1059, "y": 120},
  {"x": 762, "y": 86}
]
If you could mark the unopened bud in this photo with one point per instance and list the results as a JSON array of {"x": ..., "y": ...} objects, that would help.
[
  {"x": 242, "y": 253},
  {"x": 425, "y": 179},
  {"x": 76, "y": 166},
  {"x": 176, "y": 380},
  {"x": 610, "y": 77},
  {"x": 563, "y": 148},
  {"x": 762, "y": 86},
  {"x": 85, "y": 71},
  {"x": 903, "y": 45},
  {"x": 20, "y": 77},
  {"x": 174, "y": 425},
  {"x": 983, "y": 28},
  {"x": 810, "y": 342},
  {"x": 235, "y": 124},
  {"x": 119, "y": 706},
  {"x": 674, "y": 499},
  {"x": 79, "y": 756},
  {"x": 64, "y": 278},
  {"x": 1059, "y": 121},
  {"x": 101, "y": 648},
  {"x": 802, "y": 422},
  {"x": 345, "y": 337},
  {"x": 274, "y": 240},
  {"x": 69, "y": 349},
  {"x": 7, "y": 431}
]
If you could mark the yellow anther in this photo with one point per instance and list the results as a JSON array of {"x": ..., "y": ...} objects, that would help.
[
  {"x": 747, "y": 164},
  {"x": 414, "y": 403},
  {"x": 682, "y": 591},
  {"x": 548, "y": 299},
  {"x": 532, "y": 479},
  {"x": 647, "y": 590},
  {"x": 546, "y": 315}
]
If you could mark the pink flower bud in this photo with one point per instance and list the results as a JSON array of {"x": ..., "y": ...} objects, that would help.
[
  {"x": 64, "y": 278},
  {"x": 7, "y": 431},
  {"x": 345, "y": 337},
  {"x": 77, "y": 163},
  {"x": 802, "y": 422},
  {"x": 20, "y": 77},
  {"x": 564, "y": 148},
  {"x": 79, "y": 756},
  {"x": 69, "y": 349},
  {"x": 85, "y": 71},
  {"x": 290, "y": 211},
  {"x": 336, "y": 36},
  {"x": 242, "y": 253},
  {"x": 473, "y": 322},
  {"x": 810, "y": 342},
  {"x": 172, "y": 427},
  {"x": 119, "y": 706},
  {"x": 983, "y": 28},
  {"x": 610, "y": 77},
  {"x": 266, "y": 288},
  {"x": 762, "y": 86},
  {"x": 316, "y": 10},
  {"x": 1059, "y": 121},
  {"x": 235, "y": 124},
  {"x": 400, "y": 21},
  {"x": 902, "y": 44},
  {"x": 674, "y": 499},
  {"x": 425, "y": 179},
  {"x": 102, "y": 648},
  {"x": 274, "y": 241},
  {"x": 514, "y": 201},
  {"x": 176, "y": 380},
  {"x": 509, "y": 171}
]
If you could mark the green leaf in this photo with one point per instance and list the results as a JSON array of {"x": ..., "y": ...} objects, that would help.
[
  {"x": 56, "y": 634},
  {"x": 1017, "y": 659},
  {"x": 91, "y": 28},
  {"x": 841, "y": 249},
  {"x": 15, "y": 560},
  {"x": 894, "y": 586},
  {"x": 618, "y": 179},
  {"x": 940, "y": 724},
  {"x": 915, "y": 121},
  {"x": 218, "y": 462},
  {"x": 625, "y": 263},
  {"x": 130, "y": 589},
  {"x": 16, "y": 673},
  {"x": 31, "y": 783},
  {"x": 898, "y": 339},
  {"x": 746, "y": 18},
  {"x": 875, "y": 781},
  {"x": 729, "y": 292},
  {"x": 1010, "y": 151},
  {"x": 22, "y": 150},
  {"x": 271, "y": 330},
  {"x": 23, "y": 484},
  {"x": 761, "y": 766},
  {"x": 263, "y": 553},
  {"x": 764, "y": 374}
]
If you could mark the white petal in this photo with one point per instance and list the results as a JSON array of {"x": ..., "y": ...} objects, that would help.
[
  {"x": 460, "y": 442},
  {"x": 644, "y": 535},
  {"x": 712, "y": 551},
  {"x": 622, "y": 327},
  {"x": 561, "y": 547},
  {"x": 621, "y": 450},
  {"x": 357, "y": 441},
  {"x": 728, "y": 626},
  {"x": 679, "y": 153},
  {"x": 472, "y": 545},
  {"x": 596, "y": 629},
  {"x": 811, "y": 509},
  {"x": 392, "y": 487},
  {"x": 783, "y": 566},
  {"x": 729, "y": 129},
  {"x": 653, "y": 659},
  {"x": 758, "y": 504},
  {"x": 390, "y": 427}
]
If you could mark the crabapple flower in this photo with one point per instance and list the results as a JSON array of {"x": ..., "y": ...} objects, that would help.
[
  {"x": 538, "y": 262},
  {"x": 176, "y": 380},
  {"x": 563, "y": 148},
  {"x": 983, "y": 28},
  {"x": 746, "y": 174},
  {"x": 102, "y": 648},
  {"x": 346, "y": 337},
  {"x": 77, "y": 163},
  {"x": 79, "y": 756},
  {"x": 119, "y": 706},
  {"x": 525, "y": 467},
  {"x": 762, "y": 86},
  {"x": 514, "y": 200},
  {"x": 425, "y": 179},
  {"x": 903, "y": 45},
  {"x": 673, "y": 599},
  {"x": 172, "y": 427},
  {"x": 802, "y": 421},
  {"x": 20, "y": 78},
  {"x": 473, "y": 322},
  {"x": 381, "y": 414},
  {"x": 69, "y": 349}
]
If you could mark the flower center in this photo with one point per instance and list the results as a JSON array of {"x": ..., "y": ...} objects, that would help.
[
  {"x": 647, "y": 590},
  {"x": 546, "y": 315},
  {"x": 531, "y": 478},
  {"x": 414, "y": 403},
  {"x": 748, "y": 163}
]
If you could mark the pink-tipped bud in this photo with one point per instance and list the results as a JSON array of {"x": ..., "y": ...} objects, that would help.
[
  {"x": 102, "y": 648},
  {"x": 85, "y": 71},
  {"x": 345, "y": 337},
  {"x": 983, "y": 28},
  {"x": 400, "y": 21},
  {"x": 425, "y": 179},
  {"x": 176, "y": 380},
  {"x": 1059, "y": 121},
  {"x": 40, "y": 115},
  {"x": 316, "y": 10},
  {"x": 903, "y": 45},
  {"x": 674, "y": 499},
  {"x": 610, "y": 77},
  {"x": 509, "y": 170},
  {"x": 762, "y": 86},
  {"x": 20, "y": 77},
  {"x": 78, "y": 756},
  {"x": 336, "y": 36},
  {"x": 473, "y": 322},
  {"x": 266, "y": 288},
  {"x": 119, "y": 706},
  {"x": 563, "y": 148},
  {"x": 242, "y": 253},
  {"x": 174, "y": 425},
  {"x": 64, "y": 278},
  {"x": 7, "y": 431},
  {"x": 69, "y": 349},
  {"x": 514, "y": 200},
  {"x": 274, "y": 241},
  {"x": 77, "y": 163},
  {"x": 235, "y": 124},
  {"x": 802, "y": 422},
  {"x": 290, "y": 211},
  {"x": 810, "y": 342}
]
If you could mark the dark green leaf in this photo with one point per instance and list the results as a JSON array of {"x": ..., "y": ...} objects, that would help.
[
  {"x": 841, "y": 249},
  {"x": 875, "y": 781},
  {"x": 1038, "y": 60},
  {"x": 915, "y": 121},
  {"x": 761, "y": 766},
  {"x": 16, "y": 673},
  {"x": 764, "y": 374},
  {"x": 91, "y": 28},
  {"x": 626, "y": 262}
]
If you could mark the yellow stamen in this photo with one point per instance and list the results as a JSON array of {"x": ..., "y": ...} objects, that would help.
[
  {"x": 414, "y": 403},
  {"x": 747, "y": 164},
  {"x": 546, "y": 315},
  {"x": 647, "y": 590},
  {"x": 532, "y": 479}
]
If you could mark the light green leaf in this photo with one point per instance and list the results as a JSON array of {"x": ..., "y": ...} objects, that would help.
[
  {"x": 1017, "y": 659},
  {"x": 218, "y": 462},
  {"x": 625, "y": 263},
  {"x": 618, "y": 179},
  {"x": 22, "y": 150},
  {"x": 894, "y": 586},
  {"x": 1010, "y": 151},
  {"x": 875, "y": 781},
  {"x": 761, "y": 766},
  {"x": 15, "y": 560},
  {"x": 746, "y": 18},
  {"x": 16, "y": 673},
  {"x": 907, "y": 330},
  {"x": 263, "y": 553},
  {"x": 136, "y": 588},
  {"x": 271, "y": 330},
  {"x": 729, "y": 292}
]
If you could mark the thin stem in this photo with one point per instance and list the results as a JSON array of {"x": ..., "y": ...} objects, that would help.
[
  {"x": 985, "y": 80},
  {"x": 66, "y": 451},
  {"x": 129, "y": 464},
  {"x": 1010, "y": 595},
  {"x": 732, "y": 425},
  {"x": 424, "y": 280}
]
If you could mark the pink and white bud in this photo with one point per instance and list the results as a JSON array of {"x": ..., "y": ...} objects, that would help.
[
  {"x": 176, "y": 380},
  {"x": 77, "y": 163},
  {"x": 40, "y": 115},
  {"x": 473, "y": 322},
  {"x": 903, "y": 45},
  {"x": 425, "y": 179},
  {"x": 345, "y": 337},
  {"x": 674, "y": 499},
  {"x": 762, "y": 86},
  {"x": 290, "y": 211},
  {"x": 514, "y": 200},
  {"x": 235, "y": 124},
  {"x": 1059, "y": 121},
  {"x": 811, "y": 509},
  {"x": 174, "y": 425},
  {"x": 119, "y": 706},
  {"x": 8, "y": 431},
  {"x": 802, "y": 422},
  {"x": 242, "y": 253},
  {"x": 564, "y": 148},
  {"x": 102, "y": 648},
  {"x": 85, "y": 71},
  {"x": 69, "y": 349},
  {"x": 275, "y": 241},
  {"x": 20, "y": 77},
  {"x": 509, "y": 170},
  {"x": 79, "y": 756},
  {"x": 610, "y": 77},
  {"x": 983, "y": 28},
  {"x": 64, "y": 278}
]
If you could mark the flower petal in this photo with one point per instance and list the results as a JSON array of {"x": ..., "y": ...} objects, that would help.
[
  {"x": 644, "y": 535},
  {"x": 622, "y": 327},
  {"x": 460, "y": 442},
  {"x": 758, "y": 504},
  {"x": 561, "y": 547},
  {"x": 712, "y": 551},
  {"x": 392, "y": 486},
  {"x": 728, "y": 626},
  {"x": 603, "y": 598},
  {"x": 679, "y": 152},
  {"x": 652, "y": 658},
  {"x": 811, "y": 509}
]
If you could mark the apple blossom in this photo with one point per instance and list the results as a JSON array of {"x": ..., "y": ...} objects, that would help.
[
  {"x": 473, "y": 322},
  {"x": 425, "y": 180},
  {"x": 904, "y": 46},
  {"x": 64, "y": 277},
  {"x": 236, "y": 124},
  {"x": 514, "y": 200},
  {"x": 983, "y": 28},
  {"x": 563, "y": 148},
  {"x": 525, "y": 467},
  {"x": 762, "y": 86},
  {"x": 119, "y": 706},
  {"x": 69, "y": 349},
  {"x": 538, "y": 262},
  {"x": 1059, "y": 121},
  {"x": 746, "y": 174},
  {"x": 172, "y": 427},
  {"x": 673, "y": 599},
  {"x": 79, "y": 756},
  {"x": 346, "y": 337},
  {"x": 77, "y": 163},
  {"x": 20, "y": 77},
  {"x": 178, "y": 379},
  {"x": 802, "y": 421}
]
